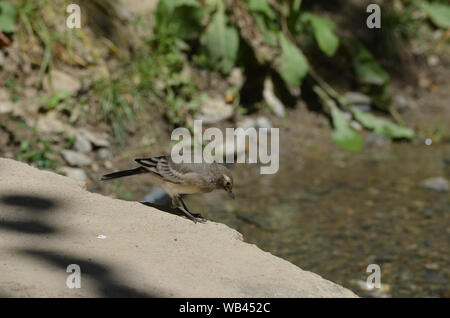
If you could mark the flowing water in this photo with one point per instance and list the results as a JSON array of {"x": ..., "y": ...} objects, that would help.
[{"x": 333, "y": 212}]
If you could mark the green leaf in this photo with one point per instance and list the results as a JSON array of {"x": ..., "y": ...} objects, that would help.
[
  {"x": 296, "y": 5},
  {"x": 7, "y": 17},
  {"x": 367, "y": 69},
  {"x": 382, "y": 126},
  {"x": 324, "y": 33},
  {"x": 221, "y": 42},
  {"x": 293, "y": 64},
  {"x": 54, "y": 100},
  {"x": 181, "y": 19},
  {"x": 343, "y": 135},
  {"x": 439, "y": 13},
  {"x": 261, "y": 6},
  {"x": 265, "y": 20},
  {"x": 188, "y": 21},
  {"x": 268, "y": 29}
]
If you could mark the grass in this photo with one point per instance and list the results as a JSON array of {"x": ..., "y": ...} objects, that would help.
[
  {"x": 38, "y": 152},
  {"x": 153, "y": 82}
]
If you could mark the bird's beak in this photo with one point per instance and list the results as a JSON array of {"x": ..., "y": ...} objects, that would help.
[{"x": 231, "y": 194}]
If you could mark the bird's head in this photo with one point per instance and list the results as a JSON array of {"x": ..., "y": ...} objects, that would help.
[{"x": 227, "y": 183}]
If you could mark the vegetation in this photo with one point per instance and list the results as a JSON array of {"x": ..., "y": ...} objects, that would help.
[
  {"x": 277, "y": 32},
  {"x": 286, "y": 38},
  {"x": 37, "y": 151}
]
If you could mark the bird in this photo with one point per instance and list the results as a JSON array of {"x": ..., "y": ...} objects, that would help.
[{"x": 178, "y": 179}]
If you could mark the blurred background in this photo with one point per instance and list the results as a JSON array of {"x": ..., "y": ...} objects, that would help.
[{"x": 363, "y": 115}]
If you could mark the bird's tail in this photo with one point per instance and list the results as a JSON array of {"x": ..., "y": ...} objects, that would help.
[{"x": 124, "y": 173}]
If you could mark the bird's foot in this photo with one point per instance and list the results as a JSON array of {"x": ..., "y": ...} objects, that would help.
[
  {"x": 199, "y": 218},
  {"x": 194, "y": 217}
]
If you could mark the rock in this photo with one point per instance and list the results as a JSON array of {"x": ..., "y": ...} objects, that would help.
[
  {"x": 141, "y": 254},
  {"x": 435, "y": 184},
  {"x": 260, "y": 122},
  {"x": 263, "y": 122},
  {"x": 433, "y": 60},
  {"x": 158, "y": 196},
  {"x": 432, "y": 266},
  {"x": 62, "y": 82},
  {"x": 75, "y": 158},
  {"x": 108, "y": 165},
  {"x": 401, "y": 103},
  {"x": 6, "y": 105},
  {"x": 27, "y": 109},
  {"x": 269, "y": 96},
  {"x": 355, "y": 125},
  {"x": 247, "y": 122},
  {"x": 236, "y": 77},
  {"x": 383, "y": 292},
  {"x": 51, "y": 123},
  {"x": 97, "y": 139},
  {"x": 82, "y": 144},
  {"x": 214, "y": 110},
  {"x": 358, "y": 100},
  {"x": 104, "y": 153},
  {"x": 74, "y": 173}
]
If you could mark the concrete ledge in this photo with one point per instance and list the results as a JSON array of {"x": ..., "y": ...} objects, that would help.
[{"x": 48, "y": 221}]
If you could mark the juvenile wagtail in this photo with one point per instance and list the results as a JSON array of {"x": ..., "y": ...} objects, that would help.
[{"x": 181, "y": 178}]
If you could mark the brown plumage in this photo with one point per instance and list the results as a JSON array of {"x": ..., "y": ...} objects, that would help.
[{"x": 181, "y": 178}]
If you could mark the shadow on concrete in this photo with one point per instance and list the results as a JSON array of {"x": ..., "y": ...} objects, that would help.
[
  {"x": 33, "y": 212},
  {"x": 28, "y": 227},
  {"x": 107, "y": 285},
  {"x": 163, "y": 207},
  {"x": 35, "y": 208},
  {"x": 29, "y": 202}
]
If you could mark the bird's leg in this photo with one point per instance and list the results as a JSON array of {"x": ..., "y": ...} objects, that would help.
[
  {"x": 197, "y": 216},
  {"x": 179, "y": 203}
]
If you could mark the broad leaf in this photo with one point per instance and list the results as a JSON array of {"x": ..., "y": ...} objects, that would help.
[
  {"x": 261, "y": 6},
  {"x": 7, "y": 17},
  {"x": 324, "y": 33},
  {"x": 221, "y": 42},
  {"x": 188, "y": 21},
  {"x": 293, "y": 64},
  {"x": 382, "y": 126},
  {"x": 367, "y": 69},
  {"x": 265, "y": 20},
  {"x": 181, "y": 19},
  {"x": 439, "y": 13},
  {"x": 343, "y": 135}
]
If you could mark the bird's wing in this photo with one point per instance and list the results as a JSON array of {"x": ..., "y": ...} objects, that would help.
[{"x": 164, "y": 168}]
